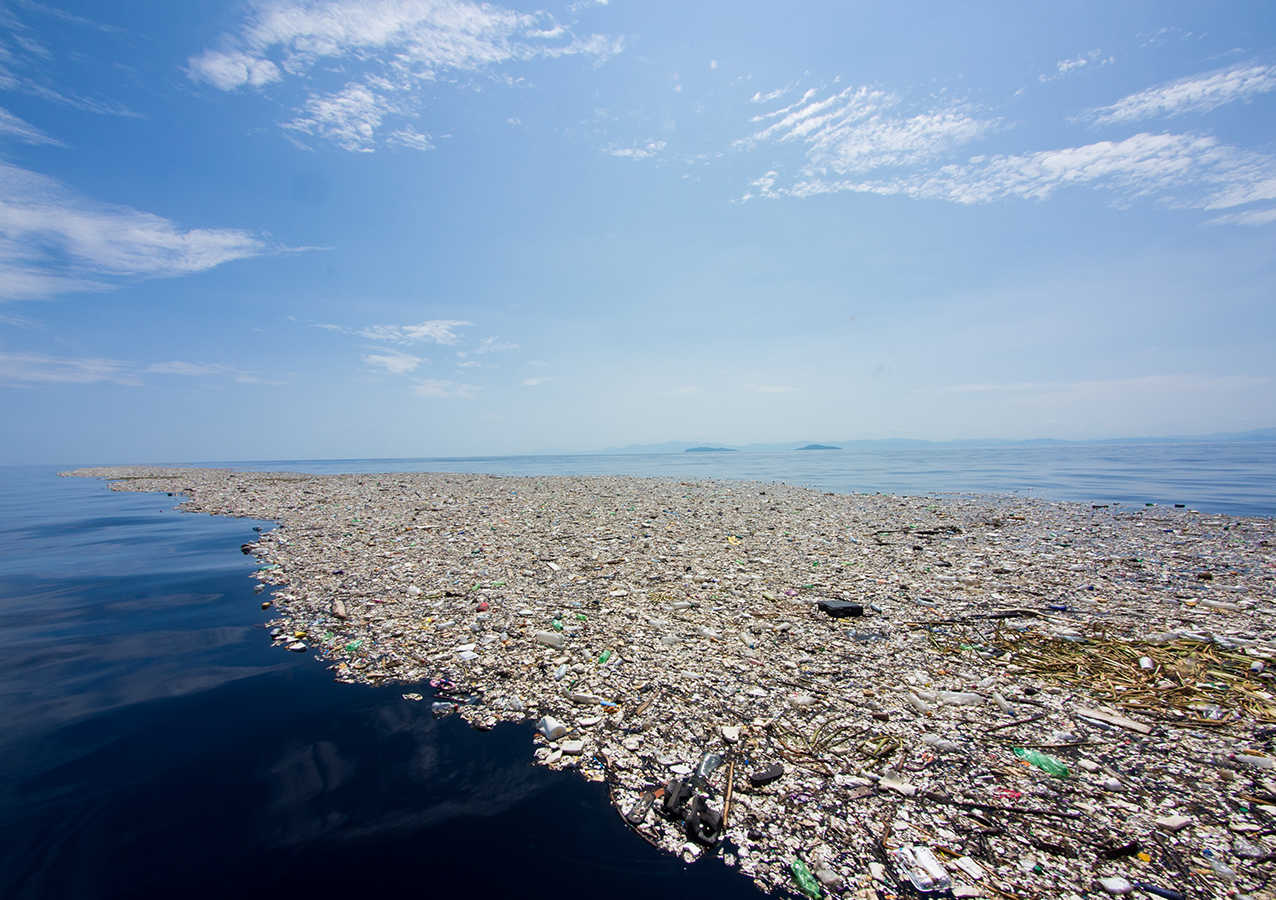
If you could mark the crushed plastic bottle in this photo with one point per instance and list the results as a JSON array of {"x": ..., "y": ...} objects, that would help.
[
  {"x": 920, "y": 866},
  {"x": 805, "y": 880},
  {"x": 1043, "y": 761}
]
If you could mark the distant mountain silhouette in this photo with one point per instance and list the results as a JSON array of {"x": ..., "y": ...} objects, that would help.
[
  {"x": 819, "y": 447},
  {"x": 710, "y": 450}
]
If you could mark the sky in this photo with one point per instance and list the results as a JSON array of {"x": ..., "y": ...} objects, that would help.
[{"x": 401, "y": 228}]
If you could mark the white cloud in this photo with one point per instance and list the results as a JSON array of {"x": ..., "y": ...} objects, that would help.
[
  {"x": 227, "y": 70},
  {"x": 438, "y": 331},
  {"x": 768, "y": 96},
  {"x": 394, "y": 362},
  {"x": 1251, "y": 217},
  {"x": 1094, "y": 58},
  {"x": 189, "y": 369},
  {"x": 385, "y": 53},
  {"x": 349, "y": 118},
  {"x": 641, "y": 151},
  {"x": 54, "y": 241},
  {"x": 494, "y": 345},
  {"x": 1184, "y": 170},
  {"x": 536, "y": 381},
  {"x": 433, "y": 387},
  {"x": 12, "y": 126},
  {"x": 36, "y": 368},
  {"x": 204, "y": 370},
  {"x": 860, "y": 129},
  {"x": 1195, "y": 94},
  {"x": 410, "y": 138},
  {"x": 26, "y": 63},
  {"x": 469, "y": 364}
]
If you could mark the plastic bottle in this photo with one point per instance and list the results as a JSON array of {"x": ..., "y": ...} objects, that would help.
[
  {"x": 805, "y": 880},
  {"x": 1043, "y": 761}
]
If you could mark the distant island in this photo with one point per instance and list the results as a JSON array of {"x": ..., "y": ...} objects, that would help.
[
  {"x": 819, "y": 447},
  {"x": 710, "y": 450}
]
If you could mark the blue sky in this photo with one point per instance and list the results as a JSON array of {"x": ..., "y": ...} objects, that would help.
[{"x": 370, "y": 228}]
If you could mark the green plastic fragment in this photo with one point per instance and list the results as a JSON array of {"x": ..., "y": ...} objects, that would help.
[
  {"x": 805, "y": 880},
  {"x": 606, "y": 656},
  {"x": 581, "y": 617},
  {"x": 354, "y": 645},
  {"x": 558, "y": 626},
  {"x": 1043, "y": 761}
]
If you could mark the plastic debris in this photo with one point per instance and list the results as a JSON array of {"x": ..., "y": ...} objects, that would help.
[{"x": 1085, "y": 636}]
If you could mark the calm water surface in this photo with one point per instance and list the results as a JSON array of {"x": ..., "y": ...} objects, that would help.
[
  {"x": 1237, "y": 477},
  {"x": 155, "y": 743}
]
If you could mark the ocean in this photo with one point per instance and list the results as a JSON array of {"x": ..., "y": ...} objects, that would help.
[{"x": 155, "y": 743}]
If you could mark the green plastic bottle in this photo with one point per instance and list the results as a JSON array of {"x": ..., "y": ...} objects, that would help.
[
  {"x": 1043, "y": 761},
  {"x": 805, "y": 880},
  {"x": 606, "y": 656}
]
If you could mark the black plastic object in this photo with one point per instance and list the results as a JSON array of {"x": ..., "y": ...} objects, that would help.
[
  {"x": 763, "y": 777},
  {"x": 840, "y": 609},
  {"x": 677, "y": 793},
  {"x": 1122, "y": 851},
  {"x": 704, "y": 825},
  {"x": 638, "y": 812},
  {"x": 1160, "y": 891}
]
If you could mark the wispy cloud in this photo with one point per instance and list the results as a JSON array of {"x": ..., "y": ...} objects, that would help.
[
  {"x": 54, "y": 241},
  {"x": 1252, "y": 217},
  {"x": 536, "y": 381},
  {"x": 859, "y": 129},
  {"x": 640, "y": 151},
  {"x": 1165, "y": 34},
  {"x": 1194, "y": 94},
  {"x": 1195, "y": 171},
  {"x": 385, "y": 54},
  {"x": 767, "y": 97},
  {"x": 186, "y": 369},
  {"x": 39, "y": 368},
  {"x": 434, "y": 387},
  {"x": 394, "y": 362},
  {"x": 494, "y": 345},
  {"x": 437, "y": 331},
  {"x": 36, "y": 368},
  {"x": 13, "y": 127},
  {"x": 1094, "y": 59},
  {"x": 27, "y": 65},
  {"x": 67, "y": 17}
]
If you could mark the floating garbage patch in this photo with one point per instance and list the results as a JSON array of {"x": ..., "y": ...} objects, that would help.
[{"x": 862, "y": 696}]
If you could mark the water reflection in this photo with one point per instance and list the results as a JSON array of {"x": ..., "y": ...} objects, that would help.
[{"x": 155, "y": 743}]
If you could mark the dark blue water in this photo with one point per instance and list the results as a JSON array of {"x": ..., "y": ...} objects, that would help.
[
  {"x": 1236, "y": 477},
  {"x": 155, "y": 743}
]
